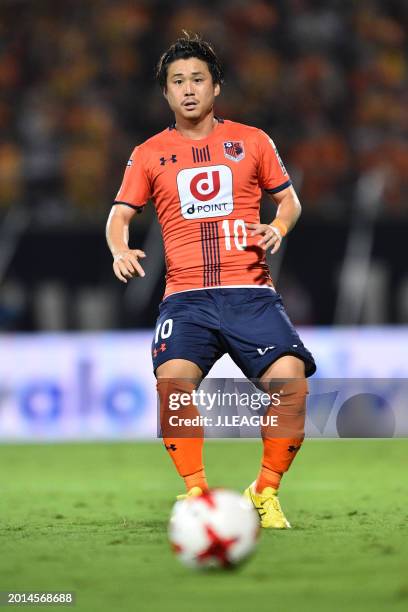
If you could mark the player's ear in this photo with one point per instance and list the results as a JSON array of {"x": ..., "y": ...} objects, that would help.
[
  {"x": 217, "y": 89},
  {"x": 165, "y": 92}
]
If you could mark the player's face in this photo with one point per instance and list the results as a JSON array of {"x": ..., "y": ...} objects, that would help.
[{"x": 190, "y": 90}]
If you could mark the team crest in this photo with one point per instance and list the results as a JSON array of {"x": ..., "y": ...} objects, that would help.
[{"x": 234, "y": 150}]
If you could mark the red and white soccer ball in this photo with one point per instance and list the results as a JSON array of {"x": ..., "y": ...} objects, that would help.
[{"x": 216, "y": 530}]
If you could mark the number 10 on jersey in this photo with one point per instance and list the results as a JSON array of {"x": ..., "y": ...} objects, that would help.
[{"x": 239, "y": 234}]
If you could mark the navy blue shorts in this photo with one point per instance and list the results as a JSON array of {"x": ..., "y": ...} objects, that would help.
[{"x": 251, "y": 325}]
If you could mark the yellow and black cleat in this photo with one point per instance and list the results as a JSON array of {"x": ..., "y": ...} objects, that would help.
[
  {"x": 193, "y": 492},
  {"x": 268, "y": 507}
]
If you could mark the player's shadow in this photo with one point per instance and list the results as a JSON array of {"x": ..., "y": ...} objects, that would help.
[{"x": 259, "y": 252}]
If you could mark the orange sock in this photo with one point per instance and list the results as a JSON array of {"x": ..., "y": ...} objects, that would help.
[
  {"x": 187, "y": 456},
  {"x": 198, "y": 479},
  {"x": 267, "y": 478},
  {"x": 279, "y": 452},
  {"x": 184, "y": 443}
]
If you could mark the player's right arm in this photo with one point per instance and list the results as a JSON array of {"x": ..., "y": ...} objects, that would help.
[
  {"x": 131, "y": 198},
  {"x": 125, "y": 260}
]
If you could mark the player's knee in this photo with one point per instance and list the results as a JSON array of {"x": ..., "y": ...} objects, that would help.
[
  {"x": 175, "y": 386},
  {"x": 292, "y": 398},
  {"x": 179, "y": 368},
  {"x": 289, "y": 408},
  {"x": 175, "y": 395},
  {"x": 287, "y": 366},
  {"x": 296, "y": 389},
  {"x": 178, "y": 411}
]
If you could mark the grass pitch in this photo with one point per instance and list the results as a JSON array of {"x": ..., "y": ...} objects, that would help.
[{"x": 92, "y": 518}]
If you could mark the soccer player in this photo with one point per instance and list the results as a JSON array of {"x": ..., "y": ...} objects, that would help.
[{"x": 205, "y": 176}]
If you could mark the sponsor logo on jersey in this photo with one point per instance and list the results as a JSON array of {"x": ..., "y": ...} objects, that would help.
[
  {"x": 163, "y": 160},
  {"x": 205, "y": 192},
  {"x": 234, "y": 150}
]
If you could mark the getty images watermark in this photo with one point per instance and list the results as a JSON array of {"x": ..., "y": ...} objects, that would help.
[
  {"x": 227, "y": 408},
  {"x": 241, "y": 408},
  {"x": 212, "y": 401}
]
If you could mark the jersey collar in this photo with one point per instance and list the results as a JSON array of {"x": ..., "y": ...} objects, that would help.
[{"x": 172, "y": 125}]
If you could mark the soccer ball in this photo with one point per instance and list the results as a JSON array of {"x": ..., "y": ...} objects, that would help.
[{"x": 217, "y": 529}]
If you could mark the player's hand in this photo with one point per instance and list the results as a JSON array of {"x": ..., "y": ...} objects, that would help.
[
  {"x": 271, "y": 236},
  {"x": 126, "y": 264}
]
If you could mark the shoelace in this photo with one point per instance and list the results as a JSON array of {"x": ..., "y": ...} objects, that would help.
[
  {"x": 274, "y": 501},
  {"x": 275, "y": 505}
]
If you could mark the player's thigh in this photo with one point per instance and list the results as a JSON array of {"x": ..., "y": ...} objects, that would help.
[
  {"x": 286, "y": 369},
  {"x": 184, "y": 341},
  {"x": 287, "y": 366},
  {"x": 179, "y": 368}
]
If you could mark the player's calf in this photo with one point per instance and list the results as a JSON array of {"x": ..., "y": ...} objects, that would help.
[
  {"x": 281, "y": 444},
  {"x": 183, "y": 435}
]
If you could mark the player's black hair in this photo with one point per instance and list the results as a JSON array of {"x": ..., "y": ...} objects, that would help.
[{"x": 189, "y": 45}]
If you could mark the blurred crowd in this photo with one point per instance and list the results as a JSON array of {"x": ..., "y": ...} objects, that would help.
[{"x": 327, "y": 79}]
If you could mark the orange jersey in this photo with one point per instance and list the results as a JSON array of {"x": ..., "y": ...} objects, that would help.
[{"x": 204, "y": 192}]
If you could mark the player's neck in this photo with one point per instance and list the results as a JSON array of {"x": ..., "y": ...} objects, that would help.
[{"x": 196, "y": 130}]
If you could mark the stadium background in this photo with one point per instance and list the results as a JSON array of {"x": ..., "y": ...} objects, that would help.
[{"x": 328, "y": 80}]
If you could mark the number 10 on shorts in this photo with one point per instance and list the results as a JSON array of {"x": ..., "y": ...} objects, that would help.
[{"x": 163, "y": 330}]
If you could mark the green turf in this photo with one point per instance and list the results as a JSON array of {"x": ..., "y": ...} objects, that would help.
[{"x": 92, "y": 518}]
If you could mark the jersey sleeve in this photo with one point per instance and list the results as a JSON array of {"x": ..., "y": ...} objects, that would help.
[
  {"x": 272, "y": 174},
  {"x": 135, "y": 189}
]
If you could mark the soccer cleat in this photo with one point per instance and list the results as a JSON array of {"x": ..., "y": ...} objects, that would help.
[
  {"x": 193, "y": 492},
  {"x": 268, "y": 507}
]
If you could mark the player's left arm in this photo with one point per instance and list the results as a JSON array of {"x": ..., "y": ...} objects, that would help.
[{"x": 288, "y": 213}]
